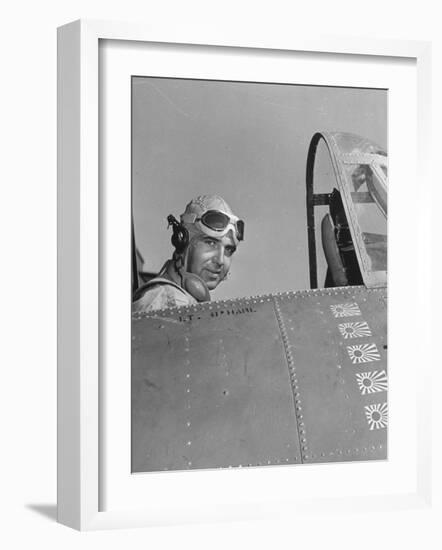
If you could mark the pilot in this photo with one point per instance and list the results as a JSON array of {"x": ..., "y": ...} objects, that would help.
[{"x": 205, "y": 239}]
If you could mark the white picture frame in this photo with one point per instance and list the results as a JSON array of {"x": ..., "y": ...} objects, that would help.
[{"x": 80, "y": 292}]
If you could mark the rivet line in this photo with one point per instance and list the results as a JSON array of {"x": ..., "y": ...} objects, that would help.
[
  {"x": 170, "y": 312},
  {"x": 292, "y": 369},
  {"x": 354, "y": 451},
  {"x": 187, "y": 390}
]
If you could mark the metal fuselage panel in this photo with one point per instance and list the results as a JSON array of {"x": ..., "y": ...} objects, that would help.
[{"x": 278, "y": 379}]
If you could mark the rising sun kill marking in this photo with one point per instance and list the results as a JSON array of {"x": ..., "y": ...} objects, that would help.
[
  {"x": 345, "y": 310},
  {"x": 377, "y": 415},
  {"x": 372, "y": 382},
  {"x": 363, "y": 353},
  {"x": 354, "y": 330}
]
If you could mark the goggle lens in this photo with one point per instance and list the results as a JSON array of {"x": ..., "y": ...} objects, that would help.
[
  {"x": 218, "y": 221},
  {"x": 240, "y": 230}
]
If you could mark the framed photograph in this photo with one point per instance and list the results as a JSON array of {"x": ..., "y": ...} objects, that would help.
[{"x": 223, "y": 276}]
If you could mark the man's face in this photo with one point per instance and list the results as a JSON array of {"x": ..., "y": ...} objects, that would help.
[{"x": 210, "y": 258}]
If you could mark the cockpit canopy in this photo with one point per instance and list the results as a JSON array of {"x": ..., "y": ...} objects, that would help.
[{"x": 347, "y": 179}]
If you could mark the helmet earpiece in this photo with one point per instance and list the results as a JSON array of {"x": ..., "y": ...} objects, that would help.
[
  {"x": 180, "y": 234},
  {"x": 195, "y": 286},
  {"x": 191, "y": 283}
]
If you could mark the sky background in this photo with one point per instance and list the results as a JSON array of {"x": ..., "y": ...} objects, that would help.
[{"x": 247, "y": 142}]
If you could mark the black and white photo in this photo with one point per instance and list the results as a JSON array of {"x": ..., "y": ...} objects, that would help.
[{"x": 259, "y": 273}]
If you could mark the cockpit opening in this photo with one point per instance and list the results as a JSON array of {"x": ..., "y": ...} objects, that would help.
[{"x": 347, "y": 207}]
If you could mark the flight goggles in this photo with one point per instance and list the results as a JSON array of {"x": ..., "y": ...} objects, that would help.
[{"x": 217, "y": 222}]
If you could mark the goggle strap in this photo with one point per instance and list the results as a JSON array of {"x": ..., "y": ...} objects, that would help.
[{"x": 188, "y": 218}]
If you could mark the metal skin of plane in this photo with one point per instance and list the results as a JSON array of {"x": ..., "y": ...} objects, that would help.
[{"x": 289, "y": 378}]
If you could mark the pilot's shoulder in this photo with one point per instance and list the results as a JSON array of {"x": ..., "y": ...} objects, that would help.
[{"x": 161, "y": 294}]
